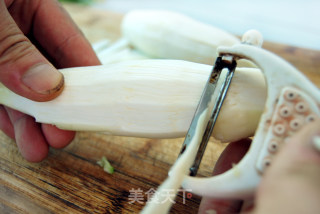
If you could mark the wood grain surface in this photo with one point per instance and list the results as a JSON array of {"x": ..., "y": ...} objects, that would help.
[{"x": 70, "y": 181}]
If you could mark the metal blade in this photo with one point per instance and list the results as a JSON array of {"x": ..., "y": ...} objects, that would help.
[{"x": 211, "y": 101}]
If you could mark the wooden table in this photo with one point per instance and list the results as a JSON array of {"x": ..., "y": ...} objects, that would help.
[{"x": 70, "y": 181}]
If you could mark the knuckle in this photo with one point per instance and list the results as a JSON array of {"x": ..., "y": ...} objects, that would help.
[{"x": 13, "y": 46}]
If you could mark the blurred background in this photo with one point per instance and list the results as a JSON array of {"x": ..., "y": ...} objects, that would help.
[{"x": 293, "y": 22}]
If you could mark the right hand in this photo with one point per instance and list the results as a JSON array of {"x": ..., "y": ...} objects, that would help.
[{"x": 290, "y": 185}]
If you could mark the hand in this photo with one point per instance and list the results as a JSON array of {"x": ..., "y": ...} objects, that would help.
[
  {"x": 290, "y": 185},
  {"x": 30, "y": 30}
]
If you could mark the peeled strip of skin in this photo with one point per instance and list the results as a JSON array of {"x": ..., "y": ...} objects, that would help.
[
  {"x": 117, "y": 52},
  {"x": 145, "y": 98},
  {"x": 168, "y": 190},
  {"x": 170, "y": 35},
  {"x": 120, "y": 55}
]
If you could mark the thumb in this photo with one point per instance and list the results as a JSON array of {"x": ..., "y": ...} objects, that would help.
[{"x": 23, "y": 69}]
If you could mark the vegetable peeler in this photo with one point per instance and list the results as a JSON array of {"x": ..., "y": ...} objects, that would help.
[{"x": 292, "y": 102}]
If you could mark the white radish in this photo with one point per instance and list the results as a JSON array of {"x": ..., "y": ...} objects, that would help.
[
  {"x": 170, "y": 35},
  {"x": 145, "y": 98}
]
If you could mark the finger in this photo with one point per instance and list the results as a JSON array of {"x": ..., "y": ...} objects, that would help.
[
  {"x": 5, "y": 123},
  {"x": 30, "y": 141},
  {"x": 8, "y": 2},
  {"x": 231, "y": 155},
  {"x": 292, "y": 183},
  {"x": 22, "y": 67},
  {"x": 55, "y": 137},
  {"x": 67, "y": 47}
]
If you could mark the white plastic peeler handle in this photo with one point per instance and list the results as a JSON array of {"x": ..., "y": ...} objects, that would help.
[{"x": 292, "y": 102}]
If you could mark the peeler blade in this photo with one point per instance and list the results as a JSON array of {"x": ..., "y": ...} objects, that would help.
[{"x": 210, "y": 104}]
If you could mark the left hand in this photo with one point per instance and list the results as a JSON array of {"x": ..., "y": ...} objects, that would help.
[{"x": 33, "y": 33}]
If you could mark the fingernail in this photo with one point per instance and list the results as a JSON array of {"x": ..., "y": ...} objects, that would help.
[
  {"x": 43, "y": 79},
  {"x": 316, "y": 142}
]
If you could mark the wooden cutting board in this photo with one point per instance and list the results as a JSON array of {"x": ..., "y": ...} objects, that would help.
[{"x": 70, "y": 181}]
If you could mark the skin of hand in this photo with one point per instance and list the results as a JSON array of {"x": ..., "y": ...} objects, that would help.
[
  {"x": 34, "y": 34},
  {"x": 290, "y": 185}
]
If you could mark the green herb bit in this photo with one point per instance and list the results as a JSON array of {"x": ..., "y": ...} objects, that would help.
[{"x": 105, "y": 164}]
